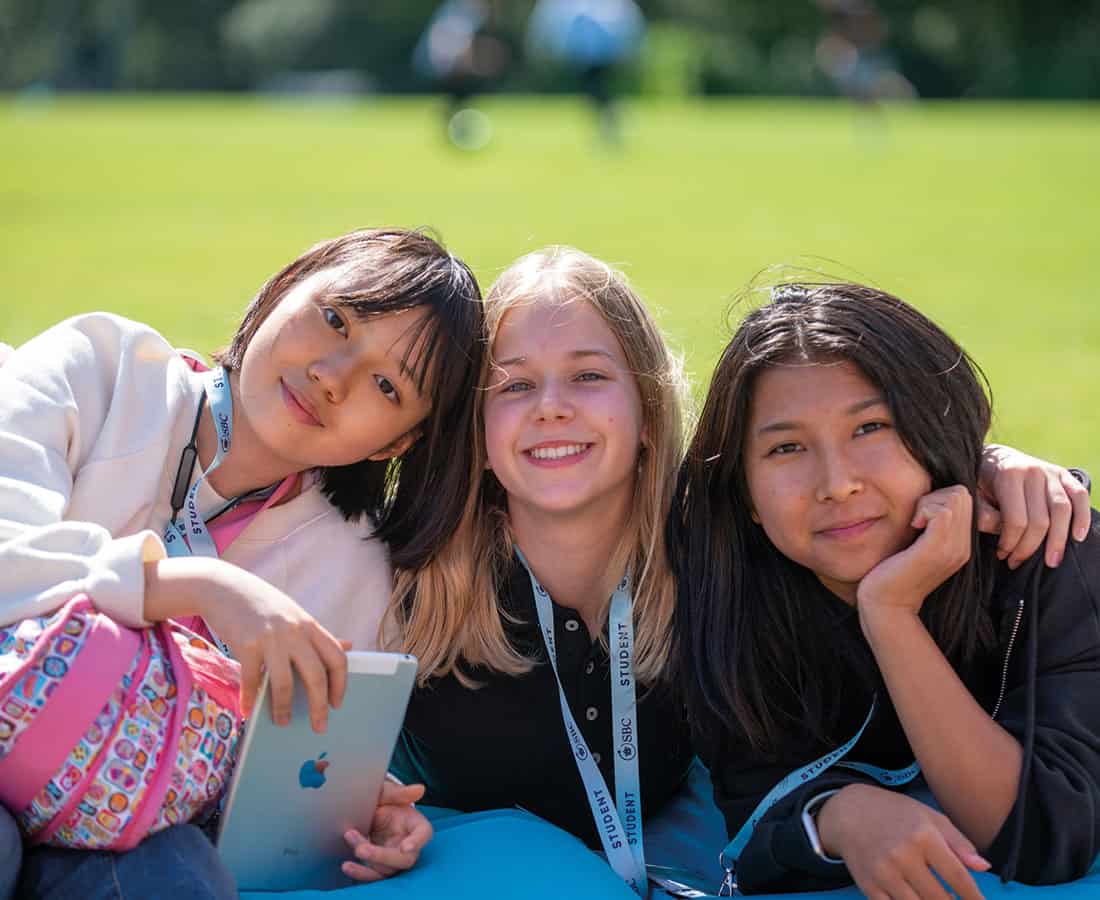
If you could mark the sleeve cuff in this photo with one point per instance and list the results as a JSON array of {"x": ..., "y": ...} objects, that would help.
[{"x": 116, "y": 583}]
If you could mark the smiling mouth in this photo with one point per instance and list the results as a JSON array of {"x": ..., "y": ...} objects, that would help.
[
  {"x": 848, "y": 529},
  {"x": 298, "y": 408},
  {"x": 558, "y": 452}
]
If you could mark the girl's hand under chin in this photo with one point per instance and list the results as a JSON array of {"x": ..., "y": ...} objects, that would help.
[{"x": 900, "y": 583}]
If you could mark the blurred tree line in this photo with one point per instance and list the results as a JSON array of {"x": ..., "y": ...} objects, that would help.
[{"x": 945, "y": 48}]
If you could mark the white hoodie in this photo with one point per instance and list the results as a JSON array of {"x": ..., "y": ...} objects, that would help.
[{"x": 94, "y": 414}]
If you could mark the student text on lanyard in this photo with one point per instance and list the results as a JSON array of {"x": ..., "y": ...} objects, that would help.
[
  {"x": 892, "y": 777},
  {"x": 619, "y": 824}
]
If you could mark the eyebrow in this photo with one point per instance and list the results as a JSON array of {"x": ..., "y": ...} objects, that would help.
[
  {"x": 852, "y": 410},
  {"x": 573, "y": 354}
]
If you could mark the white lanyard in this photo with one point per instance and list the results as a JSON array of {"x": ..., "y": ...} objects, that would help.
[{"x": 620, "y": 824}]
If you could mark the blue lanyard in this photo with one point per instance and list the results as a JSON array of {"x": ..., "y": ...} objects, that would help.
[
  {"x": 728, "y": 857},
  {"x": 619, "y": 825},
  {"x": 192, "y": 537}
]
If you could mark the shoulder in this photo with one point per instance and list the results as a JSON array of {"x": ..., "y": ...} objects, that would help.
[
  {"x": 98, "y": 331},
  {"x": 98, "y": 345}
]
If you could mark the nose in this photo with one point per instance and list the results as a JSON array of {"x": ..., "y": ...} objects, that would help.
[
  {"x": 553, "y": 403},
  {"x": 332, "y": 375},
  {"x": 838, "y": 477}
]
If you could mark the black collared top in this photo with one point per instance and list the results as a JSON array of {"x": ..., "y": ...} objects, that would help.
[{"x": 504, "y": 744}]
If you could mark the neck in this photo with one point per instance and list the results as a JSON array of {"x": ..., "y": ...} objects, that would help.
[
  {"x": 247, "y": 466},
  {"x": 569, "y": 555}
]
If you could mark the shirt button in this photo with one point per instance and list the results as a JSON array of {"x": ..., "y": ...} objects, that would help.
[
  {"x": 591, "y": 713},
  {"x": 572, "y": 624},
  {"x": 589, "y": 667},
  {"x": 596, "y": 758}
]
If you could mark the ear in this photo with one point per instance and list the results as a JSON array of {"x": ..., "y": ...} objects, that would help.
[
  {"x": 755, "y": 517},
  {"x": 397, "y": 447}
]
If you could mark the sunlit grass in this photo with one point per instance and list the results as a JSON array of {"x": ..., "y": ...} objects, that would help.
[{"x": 174, "y": 210}]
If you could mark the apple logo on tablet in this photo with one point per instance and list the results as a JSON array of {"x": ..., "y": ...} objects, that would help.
[{"x": 312, "y": 773}]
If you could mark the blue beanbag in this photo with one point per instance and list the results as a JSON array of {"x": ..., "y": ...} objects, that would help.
[
  {"x": 501, "y": 854},
  {"x": 494, "y": 854}
]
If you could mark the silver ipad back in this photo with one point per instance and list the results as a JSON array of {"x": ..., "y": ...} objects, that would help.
[{"x": 294, "y": 793}]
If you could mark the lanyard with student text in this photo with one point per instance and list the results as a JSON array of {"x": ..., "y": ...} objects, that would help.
[
  {"x": 620, "y": 824},
  {"x": 192, "y": 537},
  {"x": 728, "y": 857}
]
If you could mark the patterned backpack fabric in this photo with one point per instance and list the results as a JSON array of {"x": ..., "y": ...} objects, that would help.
[{"x": 109, "y": 734}]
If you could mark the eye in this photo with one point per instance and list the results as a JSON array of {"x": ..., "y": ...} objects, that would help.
[
  {"x": 784, "y": 449},
  {"x": 516, "y": 387},
  {"x": 334, "y": 320},
  {"x": 871, "y": 427},
  {"x": 387, "y": 388},
  {"x": 591, "y": 376}
]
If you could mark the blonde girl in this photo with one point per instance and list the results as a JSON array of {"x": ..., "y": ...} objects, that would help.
[{"x": 576, "y": 444}]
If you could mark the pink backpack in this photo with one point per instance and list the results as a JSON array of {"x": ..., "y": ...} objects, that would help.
[{"x": 109, "y": 733}]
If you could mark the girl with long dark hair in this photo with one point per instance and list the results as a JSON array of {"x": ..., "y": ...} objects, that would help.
[{"x": 847, "y": 639}]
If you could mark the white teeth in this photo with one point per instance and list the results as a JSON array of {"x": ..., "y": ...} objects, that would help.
[{"x": 558, "y": 452}]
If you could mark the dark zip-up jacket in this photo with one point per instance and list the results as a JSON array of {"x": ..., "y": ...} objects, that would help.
[{"x": 1044, "y": 683}]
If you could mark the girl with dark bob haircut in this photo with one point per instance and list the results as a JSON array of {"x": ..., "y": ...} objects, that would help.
[
  {"x": 414, "y": 498},
  {"x": 259, "y": 503},
  {"x": 855, "y": 656}
]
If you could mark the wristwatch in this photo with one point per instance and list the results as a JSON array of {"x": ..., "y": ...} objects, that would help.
[{"x": 809, "y": 825}]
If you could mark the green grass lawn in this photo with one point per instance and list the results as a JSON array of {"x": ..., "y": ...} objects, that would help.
[{"x": 174, "y": 210}]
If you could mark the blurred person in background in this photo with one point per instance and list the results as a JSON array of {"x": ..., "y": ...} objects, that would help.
[
  {"x": 465, "y": 52},
  {"x": 594, "y": 38},
  {"x": 853, "y": 53}
]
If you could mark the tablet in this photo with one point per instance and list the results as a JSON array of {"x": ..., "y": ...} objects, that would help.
[{"x": 294, "y": 793}]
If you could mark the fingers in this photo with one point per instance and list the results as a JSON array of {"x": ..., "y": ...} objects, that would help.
[
  {"x": 950, "y": 866},
  {"x": 1037, "y": 523},
  {"x": 335, "y": 660},
  {"x": 251, "y": 674},
  {"x": 953, "y": 857},
  {"x": 946, "y": 516},
  {"x": 1024, "y": 516},
  {"x": 1079, "y": 498},
  {"x": 400, "y": 794},
  {"x": 281, "y": 683},
  {"x": 1061, "y": 518},
  {"x": 314, "y": 677},
  {"x": 322, "y": 666},
  {"x": 988, "y": 516},
  {"x": 1036, "y": 504},
  {"x": 360, "y": 872},
  {"x": 1013, "y": 505},
  {"x": 924, "y": 884},
  {"x": 374, "y": 861}
]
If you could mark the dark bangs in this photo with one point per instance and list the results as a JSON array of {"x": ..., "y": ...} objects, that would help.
[{"x": 416, "y": 500}]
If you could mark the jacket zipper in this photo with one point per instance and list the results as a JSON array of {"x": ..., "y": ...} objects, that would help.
[{"x": 1008, "y": 654}]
